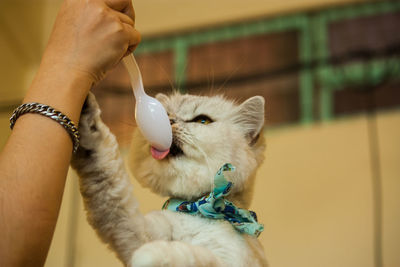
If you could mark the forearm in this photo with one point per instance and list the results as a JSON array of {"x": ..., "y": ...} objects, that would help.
[
  {"x": 34, "y": 165},
  {"x": 88, "y": 39}
]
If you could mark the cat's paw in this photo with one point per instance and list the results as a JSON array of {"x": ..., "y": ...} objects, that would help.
[
  {"x": 90, "y": 124},
  {"x": 90, "y": 115},
  {"x": 92, "y": 130}
]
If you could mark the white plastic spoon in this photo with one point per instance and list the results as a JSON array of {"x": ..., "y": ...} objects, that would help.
[{"x": 150, "y": 115}]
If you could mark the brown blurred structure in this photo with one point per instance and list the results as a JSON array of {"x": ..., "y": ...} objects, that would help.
[{"x": 270, "y": 65}]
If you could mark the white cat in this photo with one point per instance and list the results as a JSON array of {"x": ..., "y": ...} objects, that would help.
[{"x": 207, "y": 132}]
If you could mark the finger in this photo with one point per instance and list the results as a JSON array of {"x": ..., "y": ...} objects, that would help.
[
  {"x": 134, "y": 35},
  {"x": 124, "y": 18},
  {"x": 130, "y": 50},
  {"x": 130, "y": 11},
  {"x": 133, "y": 38},
  {"x": 124, "y": 6},
  {"x": 117, "y": 5}
]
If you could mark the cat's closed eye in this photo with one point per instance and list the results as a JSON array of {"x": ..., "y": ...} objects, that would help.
[{"x": 203, "y": 119}]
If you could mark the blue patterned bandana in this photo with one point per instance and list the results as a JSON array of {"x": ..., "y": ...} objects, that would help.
[{"x": 215, "y": 206}]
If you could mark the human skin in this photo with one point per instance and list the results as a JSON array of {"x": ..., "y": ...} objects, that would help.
[{"x": 89, "y": 38}]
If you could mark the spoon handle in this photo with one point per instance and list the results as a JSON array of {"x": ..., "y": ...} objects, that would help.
[{"x": 134, "y": 74}]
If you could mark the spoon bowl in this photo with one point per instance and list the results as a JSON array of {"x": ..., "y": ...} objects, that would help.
[{"x": 150, "y": 115}]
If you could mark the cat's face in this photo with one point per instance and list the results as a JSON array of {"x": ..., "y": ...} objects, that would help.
[{"x": 207, "y": 132}]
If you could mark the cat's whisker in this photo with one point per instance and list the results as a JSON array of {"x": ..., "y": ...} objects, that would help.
[
  {"x": 188, "y": 140},
  {"x": 205, "y": 156},
  {"x": 164, "y": 71},
  {"x": 233, "y": 72}
]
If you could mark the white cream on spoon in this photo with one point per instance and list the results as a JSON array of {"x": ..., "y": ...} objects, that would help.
[{"x": 150, "y": 115}]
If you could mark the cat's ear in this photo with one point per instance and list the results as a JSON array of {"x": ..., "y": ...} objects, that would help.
[
  {"x": 250, "y": 117},
  {"x": 162, "y": 98}
]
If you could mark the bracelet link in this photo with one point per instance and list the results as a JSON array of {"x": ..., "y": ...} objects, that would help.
[{"x": 51, "y": 113}]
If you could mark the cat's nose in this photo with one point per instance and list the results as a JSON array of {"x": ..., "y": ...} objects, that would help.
[{"x": 172, "y": 120}]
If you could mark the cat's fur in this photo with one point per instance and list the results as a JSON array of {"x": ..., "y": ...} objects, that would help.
[{"x": 165, "y": 238}]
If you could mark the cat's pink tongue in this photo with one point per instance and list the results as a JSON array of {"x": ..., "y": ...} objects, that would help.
[{"x": 158, "y": 154}]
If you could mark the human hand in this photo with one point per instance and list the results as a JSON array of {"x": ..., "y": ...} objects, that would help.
[{"x": 90, "y": 37}]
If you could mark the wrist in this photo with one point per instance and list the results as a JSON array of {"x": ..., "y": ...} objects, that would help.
[
  {"x": 66, "y": 70},
  {"x": 60, "y": 87},
  {"x": 69, "y": 65}
]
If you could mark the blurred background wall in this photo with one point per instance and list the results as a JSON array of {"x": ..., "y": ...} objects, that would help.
[{"x": 329, "y": 189}]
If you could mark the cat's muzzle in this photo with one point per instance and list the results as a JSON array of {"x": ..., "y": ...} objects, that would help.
[{"x": 175, "y": 149}]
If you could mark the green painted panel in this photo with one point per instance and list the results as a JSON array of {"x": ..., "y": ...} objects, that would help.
[
  {"x": 313, "y": 48},
  {"x": 180, "y": 61},
  {"x": 306, "y": 84}
]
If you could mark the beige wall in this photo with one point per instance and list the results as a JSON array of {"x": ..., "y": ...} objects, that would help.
[
  {"x": 389, "y": 141},
  {"x": 24, "y": 30},
  {"x": 180, "y": 15},
  {"x": 313, "y": 193}
]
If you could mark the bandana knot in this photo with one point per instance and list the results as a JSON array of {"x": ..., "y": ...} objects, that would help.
[{"x": 215, "y": 206}]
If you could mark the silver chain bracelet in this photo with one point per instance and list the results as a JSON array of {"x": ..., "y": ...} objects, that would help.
[{"x": 50, "y": 113}]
